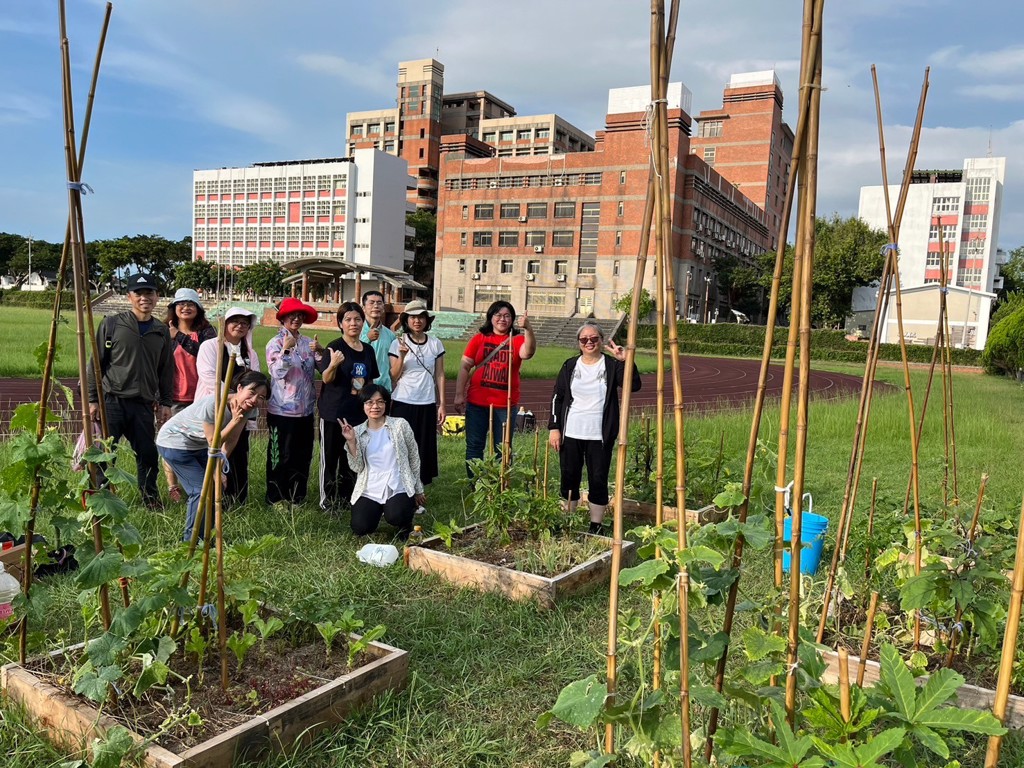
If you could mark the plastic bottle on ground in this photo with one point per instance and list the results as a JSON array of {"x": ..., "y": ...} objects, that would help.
[{"x": 9, "y": 589}]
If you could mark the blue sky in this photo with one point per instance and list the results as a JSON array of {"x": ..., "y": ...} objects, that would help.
[{"x": 189, "y": 84}]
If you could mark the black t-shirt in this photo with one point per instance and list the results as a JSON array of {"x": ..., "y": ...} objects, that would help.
[{"x": 340, "y": 398}]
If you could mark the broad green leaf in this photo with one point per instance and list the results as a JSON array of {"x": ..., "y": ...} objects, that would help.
[
  {"x": 580, "y": 702},
  {"x": 898, "y": 682},
  {"x": 590, "y": 760},
  {"x": 962, "y": 591},
  {"x": 918, "y": 591},
  {"x": 707, "y": 696},
  {"x": 105, "y": 504},
  {"x": 732, "y": 496},
  {"x": 103, "y": 650},
  {"x": 701, "y": 554},
  {"x": 793, "y": 748},
  {"x": 930, "y": 740},
  {"x": 95, "y": 684},
  {"x": 153, "y": 673},
  {"x": 757, "y": 643},
  {"x": 881, "y": 745},
  {"x": 954, "y": 719},
  {"x": 111, "y": 751},
  {"x": 711, "y": 650},
  {"x": 100, "y": 569},
  {"x": 756, "y": 535},
  {"x": 742, "y": 743},
  {"x": 26, "y": 417},
  {"x": 645, "y": 573},
  {"x": 939, "y": 689}
]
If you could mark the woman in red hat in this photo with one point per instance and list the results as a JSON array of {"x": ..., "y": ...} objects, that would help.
[{"x": 291, "y": 361}]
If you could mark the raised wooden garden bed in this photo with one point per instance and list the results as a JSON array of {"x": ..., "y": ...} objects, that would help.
[
  {"x": 430, "y": 557},
  {"x": 968, "y": 696},
  {"x": 72, "y": 723},
  {"x": 649, "y": 511}
]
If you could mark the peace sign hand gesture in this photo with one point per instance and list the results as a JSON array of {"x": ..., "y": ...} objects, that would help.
[
  {"x": 616, "y": 350},
  {"x": 347, "y": 431}
]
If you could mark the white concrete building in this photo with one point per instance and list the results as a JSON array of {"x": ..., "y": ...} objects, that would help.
[
  {"x": 346, "y": 209},
  {"x": 965, "y": 204}
]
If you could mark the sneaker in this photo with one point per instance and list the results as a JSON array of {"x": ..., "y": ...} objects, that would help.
[{"x": 421, "y": 510}]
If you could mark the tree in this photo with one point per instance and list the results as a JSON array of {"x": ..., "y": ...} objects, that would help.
[
  {"x": 740, "y": 284},
  {"x": 847, "y": 254},
  {"x": 424, "y": 244},
  {"x": 1004, "y": 348},
  {"x": 644, "y": 307},
  {"x": 197, "y": 275},
  {"x": 264, "y": 278},
  {"x": 145, "y": 253},
  {"x": 1013, "y": 273},
  {"x": 14, "y": 254}
]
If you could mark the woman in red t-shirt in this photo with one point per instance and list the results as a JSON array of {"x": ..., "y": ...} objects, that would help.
[
  {"x": 492, "y": 356},
  {"x": 186, "y": 320}
]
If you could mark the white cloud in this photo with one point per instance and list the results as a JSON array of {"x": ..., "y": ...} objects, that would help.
[
  {"x": 366, "y": 77},
  {"x": 993, "y": 91},
  {"x": 19, "y": 108},
  {"x": 1005, "y": 61}
]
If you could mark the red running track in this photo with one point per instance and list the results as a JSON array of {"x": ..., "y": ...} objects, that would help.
[{"x": 709, "y": 384}]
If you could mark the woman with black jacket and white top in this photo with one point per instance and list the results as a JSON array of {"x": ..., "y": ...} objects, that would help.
[{"x": 585, "y": 418}]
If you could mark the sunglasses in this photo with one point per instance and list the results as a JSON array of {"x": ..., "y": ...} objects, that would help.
[{"x": 589, "y": 339}]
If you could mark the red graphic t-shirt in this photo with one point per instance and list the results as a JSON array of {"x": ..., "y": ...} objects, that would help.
[{"x": 489, "y": 383}]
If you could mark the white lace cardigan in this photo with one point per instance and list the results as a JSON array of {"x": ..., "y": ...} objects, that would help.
[{"x": 407, "y": 455}]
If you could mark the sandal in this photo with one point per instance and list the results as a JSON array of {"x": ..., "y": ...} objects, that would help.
[{"x": 174, "y": 492}]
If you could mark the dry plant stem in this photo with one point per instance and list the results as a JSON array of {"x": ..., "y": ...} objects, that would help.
[
  {"x": 871, "y": 526},
  {"x": 808, "y": 209},
  {"x": 222, "y": 619},
  {"x": 547, "y": 455},
  {"x": 949, "y": 401},
  {"x": 954, "y": 633},
  {"x": 811, "y": 7},
  {"x": 844, "y": 684},
  {"x": 946, "y": 373},
  {"x": 536, "y": 453},
  {"x": 490, "y": 430},
  {"x": 506, "y": 437},
  {"x": 869, "y": 628},
  {"x": 1009, "y": 645}
]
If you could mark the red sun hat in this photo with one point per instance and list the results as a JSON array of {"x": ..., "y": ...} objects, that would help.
[{"x": 290, "y": 306}]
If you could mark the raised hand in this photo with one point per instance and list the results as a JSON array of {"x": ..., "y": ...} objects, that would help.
[
  {"x": 337, "y": 357},
  {"x": 403, "y": 346},
  {"x": 524, "y": 321},
  {"x": 373, "y": 334},
  {"x": 288, "y": 343},
  {"x": 616, "y": 350},
  {"x": 347, "y": 431},
  {"x": 315, "y": 346}
]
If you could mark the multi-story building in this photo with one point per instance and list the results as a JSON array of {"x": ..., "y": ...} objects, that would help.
[
  {"x": 424, "y": 114},
  {"x": 350, "y": 210},
  {"x": 747, "y": 142},
  {"x": 965, "y": 204},
  {"x": 558, "y": 234}
]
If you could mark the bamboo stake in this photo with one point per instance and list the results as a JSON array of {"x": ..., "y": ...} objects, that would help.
[
  {"x": 808, "y": 209},
  {"x": 871, "y": 526},
  {"x": 506, "y": 453},
  {"x": 1009, "y": 652},
  {"x": 536, "y": 452},
  {"x": 955, "y": 631},
  {"x": 945, "y": 375},
  {"x": 844, "y": 684},
  {"x": 890, "y": 275},
  {"x": 547, "y": 455},
  {"x": 869, "y": 628},
  {"x": 949, "y": 378},
  {"x": 51, "y": 347},
  {"x": 813, "y": 10}
]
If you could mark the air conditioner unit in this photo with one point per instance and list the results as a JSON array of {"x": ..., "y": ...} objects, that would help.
[
  {"x": 560, "y": 278},
  {"x": 538, "y": 249},
  {"x": 476, "y": 275},
  {"x": 522, "y": 219},
  {"x": 531, "y": 278}
]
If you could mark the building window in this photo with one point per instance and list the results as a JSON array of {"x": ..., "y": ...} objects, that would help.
[
  {"x": 389, "y": 146},
  {"x": 509, "y": 210},
  {"x": 463, "y": 239},
  {"x": 524, "y": 135},
  {"x": 618, "y": 238},
  {"x": 462, "y": 266},
  {"x": 976, "y": 222},
  {"x": 710, "y": 129},
  {"x": 483, "y": 240},
  {"x": 489, "y": 137},
  {"x": 506, "y": 266},
  {"x": 389, "y": 127},
  {"x": 506, "y": 136},
  {"x": 562, "y": 239},
  {"x": 565, "y": 210},
  {"x": 615, "y": 269},
  {"x": 421, "y": 153},
  {"x": 948, "y": 232},
  {"x": 622, "y": 177},
  {"x": 978, "y": 189},
  {"x": 480, "y": 266},
  {"x": 537, "y": 210},
  {"x": 483, "y": 211},
  {"x": 561, "y": 267},
  {"x": 621, "y": 209},
  {"x": 533, "y": 267},
  {"x": 357, "y": 130},
  {"x": 508, "y": 238},
  {"x": 543, "y": 133},
  {"x": 465, "y": 211},
  {"x": 374, "y": 129},
  {"x": 945, "y": 205},
  {"x": 709, "y": 155},
  {"x": 460, "y": 295},
  {"x": 536, "y": 238}
]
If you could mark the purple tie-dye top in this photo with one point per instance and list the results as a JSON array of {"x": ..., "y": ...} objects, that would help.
[{"x": 291, "y": 377}]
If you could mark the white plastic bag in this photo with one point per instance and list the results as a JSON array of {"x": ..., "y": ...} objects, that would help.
[{"x": 381, "y": 555}]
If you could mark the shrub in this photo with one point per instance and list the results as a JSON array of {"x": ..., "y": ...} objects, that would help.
[
  {"x": 1004, "y": 351},
  {"x": 36, "y": 299}
]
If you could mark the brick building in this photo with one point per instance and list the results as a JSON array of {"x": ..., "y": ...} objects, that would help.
[{"x": 558, "y": 234}]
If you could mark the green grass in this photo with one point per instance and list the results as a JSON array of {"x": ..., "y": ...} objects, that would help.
[
  {"x": 22, "y": 330},
  {"x": 482, "y": 668}
]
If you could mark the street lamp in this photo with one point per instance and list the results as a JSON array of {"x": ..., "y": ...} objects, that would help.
[
  {"x": 707, "y": 295},
  {"x": 686, "y": 293}
]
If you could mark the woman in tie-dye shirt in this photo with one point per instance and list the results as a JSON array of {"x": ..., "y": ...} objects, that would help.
[{"x": 291, "y": 362}]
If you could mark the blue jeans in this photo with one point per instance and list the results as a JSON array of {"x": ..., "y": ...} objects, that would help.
[
  {"x": 190, "y": 467},
  {"x": 477, "y": 431}
]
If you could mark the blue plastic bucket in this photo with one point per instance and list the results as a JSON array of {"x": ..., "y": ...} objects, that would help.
[{"x": 812, "y": 534}]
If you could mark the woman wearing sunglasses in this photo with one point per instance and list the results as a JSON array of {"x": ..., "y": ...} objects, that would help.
[{"x": 585, "y": 418}]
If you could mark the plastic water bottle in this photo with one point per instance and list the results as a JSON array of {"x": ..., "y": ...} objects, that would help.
[
  {"x": 416, "y": 537},
  {"x": 9, "y": 589}
]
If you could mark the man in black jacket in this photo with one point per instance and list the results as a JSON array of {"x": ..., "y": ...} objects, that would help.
[{"x": 138, "y": 377}]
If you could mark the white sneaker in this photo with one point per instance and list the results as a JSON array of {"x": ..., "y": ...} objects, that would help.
[{"x": 421, "y": 510}]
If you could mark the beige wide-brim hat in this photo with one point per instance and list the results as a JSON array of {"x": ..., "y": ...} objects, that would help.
[{"x": 417, "y": 307}]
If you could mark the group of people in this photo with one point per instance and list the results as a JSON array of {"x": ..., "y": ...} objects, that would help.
[{"x": 377, "y": 415}]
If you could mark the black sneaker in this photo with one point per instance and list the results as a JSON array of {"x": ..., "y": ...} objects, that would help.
[{"x": 598, "y": 529}]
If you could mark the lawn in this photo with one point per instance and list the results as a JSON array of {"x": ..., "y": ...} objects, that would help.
[
  {"x": 22, "y": 330},
  {"x": 483, "y": 668}
]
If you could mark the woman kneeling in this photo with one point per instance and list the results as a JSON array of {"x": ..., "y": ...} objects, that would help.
[{"x": 382, "y": 452}]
